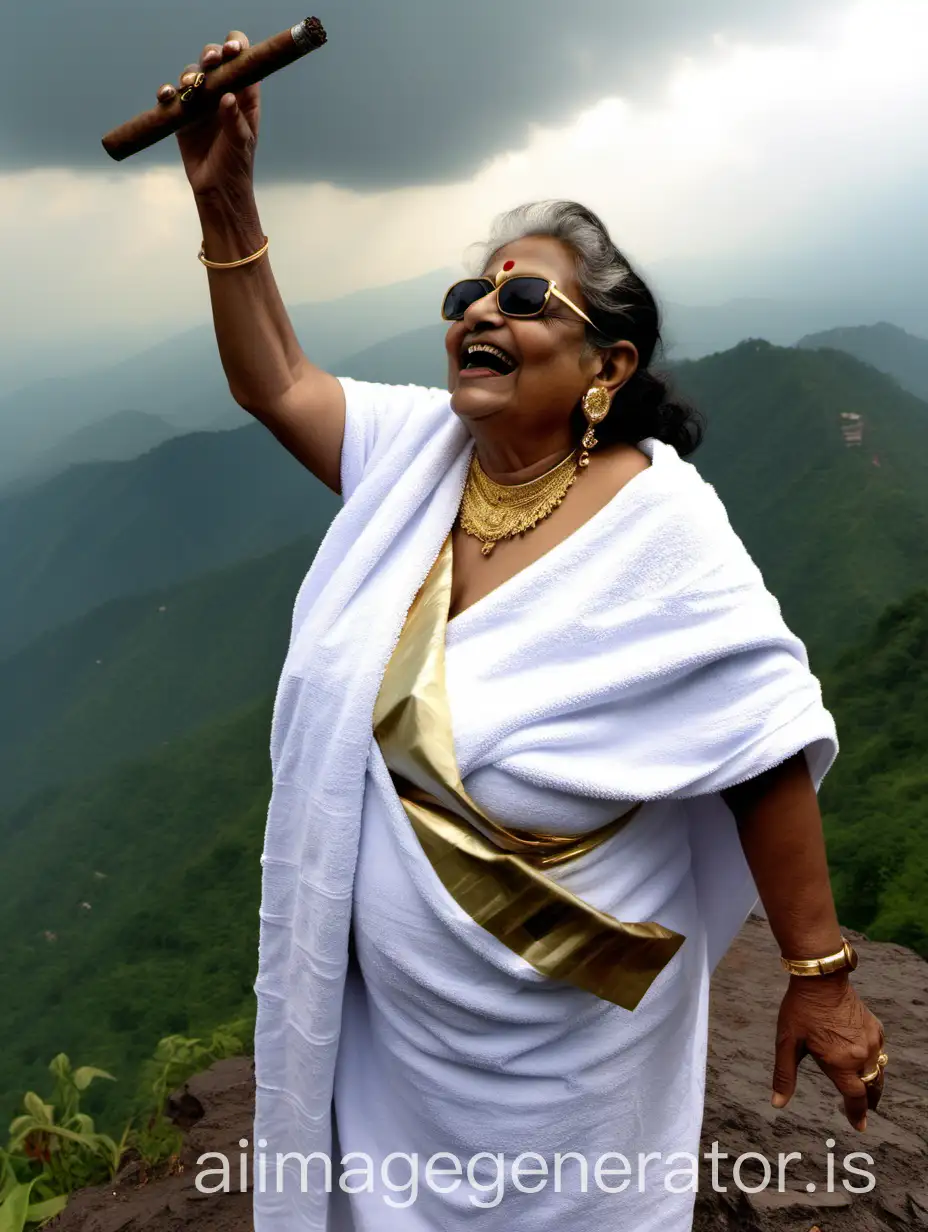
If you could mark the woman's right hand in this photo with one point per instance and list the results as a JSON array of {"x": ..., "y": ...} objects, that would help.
[{"x": 218, "y": 150}]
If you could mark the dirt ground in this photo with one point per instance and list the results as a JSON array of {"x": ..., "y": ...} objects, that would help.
[
  {"x": 894, "y": 983},
  {"x": 738, "y": 1117}
]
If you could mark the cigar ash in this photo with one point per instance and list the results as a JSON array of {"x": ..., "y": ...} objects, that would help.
[{"x": 309, "y": 34}]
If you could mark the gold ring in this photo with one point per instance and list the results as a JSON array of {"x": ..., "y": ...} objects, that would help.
[
  {"x": 188, "y": 90},
  {"x": 877, "y": 1073}
]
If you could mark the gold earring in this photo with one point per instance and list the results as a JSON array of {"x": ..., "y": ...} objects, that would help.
[{"x": 596, "y": 405}]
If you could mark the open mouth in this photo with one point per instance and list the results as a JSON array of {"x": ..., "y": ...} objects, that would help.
[{"x": 485, "y": 355}]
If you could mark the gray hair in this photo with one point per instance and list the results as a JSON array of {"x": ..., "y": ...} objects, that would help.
[
  {"x": 621, "y": 304},
  {"x": 604, "y": 274}
]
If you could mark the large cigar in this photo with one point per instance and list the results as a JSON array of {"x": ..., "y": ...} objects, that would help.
[{"x": 193, "y": 102}]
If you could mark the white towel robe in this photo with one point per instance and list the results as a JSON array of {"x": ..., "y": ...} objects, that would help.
[{"x": 450, "y": 1043}]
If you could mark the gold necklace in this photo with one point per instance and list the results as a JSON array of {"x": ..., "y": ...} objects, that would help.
[{"x": 492, "y": 511}]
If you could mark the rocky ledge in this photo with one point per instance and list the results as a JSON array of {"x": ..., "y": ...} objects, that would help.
[{"x": 216, "y": 1109}]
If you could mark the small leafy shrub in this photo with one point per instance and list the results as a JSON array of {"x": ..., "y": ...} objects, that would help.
[
  {"x": 53, "y": 1148},
  {"x": 175, "y": 1060}
]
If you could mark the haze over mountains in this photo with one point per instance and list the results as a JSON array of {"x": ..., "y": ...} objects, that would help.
[
  {"x": 389, "y": 333},
  {"x": 106, "y": 529},
  {"x": 886, "y": 347},
  {"x": 118, "y": 437},
  {"x": 201, "y": 501},
  {"x": 181, "y": 379},
  {"x": 138, "y": 672}
]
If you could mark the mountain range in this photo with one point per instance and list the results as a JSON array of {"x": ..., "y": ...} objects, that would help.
[
  {"x": 181, "y": 378},
  {"x": 390, "y": 333},
  {"x": 152, "y": 595},
  {"x": 117, "y": 438},
  {"x": 103, "y": 530}
]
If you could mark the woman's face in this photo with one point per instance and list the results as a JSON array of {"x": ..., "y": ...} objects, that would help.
[{"x": 553, "y": 366}]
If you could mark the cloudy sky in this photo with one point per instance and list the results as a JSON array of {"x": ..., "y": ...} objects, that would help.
[{"x": 771, "y": 148}]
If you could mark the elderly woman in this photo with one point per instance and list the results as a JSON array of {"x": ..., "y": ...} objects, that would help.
[{"x": 541, "y": 739}]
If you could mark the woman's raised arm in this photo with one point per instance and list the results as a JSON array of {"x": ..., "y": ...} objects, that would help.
[{"x": 269, "y": 375}]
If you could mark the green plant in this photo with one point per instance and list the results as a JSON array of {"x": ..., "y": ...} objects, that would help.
[
  {"x": 53, "y": 1149},
  {"x": 176, "y": 1059},
  {"x": 17, "y": 1207}
]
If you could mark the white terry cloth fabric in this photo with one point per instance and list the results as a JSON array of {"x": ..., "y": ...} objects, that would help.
[{"x": 640, "y": 659}]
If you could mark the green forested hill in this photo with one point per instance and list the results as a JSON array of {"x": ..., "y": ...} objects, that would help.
[
  {"x": 138, "y": 672},
  {"x": 104, "y": 530},
  {"x": 874, "y": 798},
  {"x": 838, "y": 530},
  {"x": 901, "y": 355},
  {"x": 165, "y": 853}
]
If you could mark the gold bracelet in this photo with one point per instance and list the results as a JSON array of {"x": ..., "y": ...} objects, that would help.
[
  {"x": 232, "y": 264},
  {"x": 845, "y": 957}
]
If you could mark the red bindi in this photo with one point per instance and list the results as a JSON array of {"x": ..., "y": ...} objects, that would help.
[{"x": 509, "y": 265}]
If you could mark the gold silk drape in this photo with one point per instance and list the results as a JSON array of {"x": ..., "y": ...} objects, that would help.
[{"x": 494, "y": 873}]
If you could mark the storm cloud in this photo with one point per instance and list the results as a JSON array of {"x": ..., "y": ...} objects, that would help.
[
  {"x": 410, "y": 92},
  {"x": 740, "y": 150}
]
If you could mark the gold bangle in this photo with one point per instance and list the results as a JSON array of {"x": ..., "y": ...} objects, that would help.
[
  {"x": 845, "y": 957},
  {"x": 232, "y": 264}
]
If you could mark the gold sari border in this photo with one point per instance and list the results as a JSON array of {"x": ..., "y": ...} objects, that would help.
[{"x": 554, "y": 931}]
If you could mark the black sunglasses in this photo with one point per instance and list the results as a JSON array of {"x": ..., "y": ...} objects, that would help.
[{"x": 521, "y": 296}]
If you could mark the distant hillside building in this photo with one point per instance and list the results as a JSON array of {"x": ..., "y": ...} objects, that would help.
[{"x": 852, "y": 428}]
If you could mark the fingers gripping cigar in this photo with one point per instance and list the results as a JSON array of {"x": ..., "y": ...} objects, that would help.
[{"x": 252, "y": 65}]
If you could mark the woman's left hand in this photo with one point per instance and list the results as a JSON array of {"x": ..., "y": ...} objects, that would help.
[{"x": 822, "y": 1016}]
